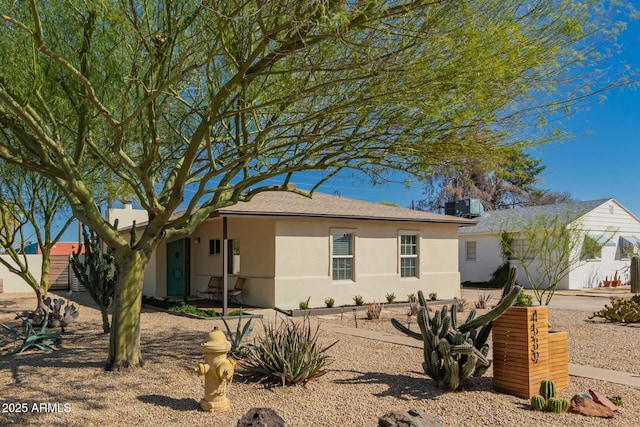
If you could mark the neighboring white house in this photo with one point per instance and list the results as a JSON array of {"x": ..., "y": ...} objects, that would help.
[
  {"x": 605, "y": 221},
  {"x": 290, "y": 248}
]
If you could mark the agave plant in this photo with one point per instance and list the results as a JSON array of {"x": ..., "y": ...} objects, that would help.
[
  {"x": 238, "y": 346},
  {"x": 41, "y": 339},
  {"x": 288, "y": 352}
]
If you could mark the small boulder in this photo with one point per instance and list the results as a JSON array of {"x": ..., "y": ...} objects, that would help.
[
  {"x": 412, "y": 418},
  {"x": 589, "y": 408},
  {"x": 261, "y": 417},
  {"x": 603, "y": 400}
]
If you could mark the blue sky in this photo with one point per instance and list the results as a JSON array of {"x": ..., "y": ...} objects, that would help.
[{"x": 601, "y": 160}]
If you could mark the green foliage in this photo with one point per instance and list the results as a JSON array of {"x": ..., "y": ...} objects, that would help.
[
  {"x": 557, "y": 405},
  {"x": 391, "y": 297},
  {"x": 412, "y": 298},
  {"x": 433, "y": 296},
  {"x": 147, "y": 99},
  {"x": 288, "y": 352},
  {"x": 616, "y": 400},
  {"x": 545, "y": 248},
  {"x": 329, "y": 302},
  {"x": 483, "y": 301},
  {"x": 238, "y": 347},
  {"x": 547, "y": 389},
  {"x": 500, "y": 275},
  {"x": 623, "y": 310},
  {"x": 358, "y": 300},
  {"x": 538, "y": 403},
  {"x": 39, "y": 338},
  {"x": 452, "y": 352},
  {"x": 236, "y": 312},
  {"x": 374, "y": 310},
  {"x": 97, "y": 272},
  {"x": 304, "y": 305},
  {"x": 524, "y": 300},
  {"x": 185, "y": 308}
]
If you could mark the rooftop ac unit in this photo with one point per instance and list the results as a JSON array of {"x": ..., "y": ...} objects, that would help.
[{"x": 467, "y": 208}]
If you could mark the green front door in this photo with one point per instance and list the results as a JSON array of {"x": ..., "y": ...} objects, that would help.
[{"x": 178, "y": 268}]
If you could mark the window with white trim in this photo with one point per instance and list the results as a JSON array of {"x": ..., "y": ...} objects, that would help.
[
  {"x": 591, "y": 249},
  {"x": 626, "y": 247},
  {"x": 470, "y": 250},
  {"x": 342, "y": 256},
  {"x": 408, "y": 255},
  {"x": 520, "y": 250}
]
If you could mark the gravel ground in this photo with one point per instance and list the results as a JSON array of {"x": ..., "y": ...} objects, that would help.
[{"x": 366, "y": 379}]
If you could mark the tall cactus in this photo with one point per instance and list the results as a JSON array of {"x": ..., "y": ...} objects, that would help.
[
  {"x": 635, "y": 274},
  {"x": 452, "y": 352}
]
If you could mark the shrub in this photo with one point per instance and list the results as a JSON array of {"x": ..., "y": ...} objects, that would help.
[
  {"x": 329, "y": 302},
  {"x": 52, "y": 311},
  {"x": 304, "y": 305},
  {"x": 500, "y": 276},
  {"x": 192, "y": 309},
  {"x": 238, "y": 348},
  {"x": 289, "y": 353},
  {"x": 374, "y": 310},
  {"x": 412, "y": 298},
  {"x": 524, "y": 300},
  {"x": 433, "y": 296},
  {"x": 390, "y": 297},
  {"x": 461, "y": 304},
  {"x": 621, "y": 310},
  {"x": 358, "y": 300},
  {"x": 483, "y": 301},
  {"x": 39, "y": 338}
]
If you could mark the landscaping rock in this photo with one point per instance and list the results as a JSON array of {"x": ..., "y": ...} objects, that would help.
[
  {"x": 589, "y": 408},
  {"x": 261, "y": 417},
  {"x": 412, "y": 418},
  {"x": 603, "y": 400}
]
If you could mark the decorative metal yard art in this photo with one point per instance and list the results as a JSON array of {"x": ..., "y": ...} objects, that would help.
[{"x": 452, "y": 352}]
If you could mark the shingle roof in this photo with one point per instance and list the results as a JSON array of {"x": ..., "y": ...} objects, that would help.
[
  {"x": 494, "y": 221},
  {"x": 289, "y": 204}
]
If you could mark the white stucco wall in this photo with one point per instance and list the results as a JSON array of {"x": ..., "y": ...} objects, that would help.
[
  {"x": 303, "y": 265},
  {"x": 12, "y": 283},
  {"x": 286, "y": 261}
]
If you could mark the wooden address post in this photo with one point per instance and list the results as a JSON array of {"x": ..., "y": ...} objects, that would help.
[{"x": 523, "y": 355}]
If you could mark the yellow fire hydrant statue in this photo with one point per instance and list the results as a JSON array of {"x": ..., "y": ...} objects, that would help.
[{"x": 217, "y": 371}]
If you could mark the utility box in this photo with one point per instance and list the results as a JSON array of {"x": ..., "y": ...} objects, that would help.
[{"x": 467, "y": 208}]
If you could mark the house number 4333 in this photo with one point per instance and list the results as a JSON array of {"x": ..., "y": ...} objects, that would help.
[{"x": 535, "y": 355}]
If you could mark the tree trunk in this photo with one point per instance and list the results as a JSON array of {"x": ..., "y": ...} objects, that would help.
[
  {"x": 105, "y": 320},
  {"x": 124, "y": 341}
]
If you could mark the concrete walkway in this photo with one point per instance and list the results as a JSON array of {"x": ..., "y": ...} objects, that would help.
[{"x": 625, "y": 378}]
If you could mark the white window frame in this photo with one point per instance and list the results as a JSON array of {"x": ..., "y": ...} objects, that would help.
[
  {"x": 351, "y": 256},
  {"x": 519, "y": 247},
  {"x": 467, "y": 256},
  {"x": 415, "y": 256}
]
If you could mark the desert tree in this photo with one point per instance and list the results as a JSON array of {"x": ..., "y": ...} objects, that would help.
[
  {"x": 548, "y": 247},
  {"x": 194, "y": 106},
  {"x": 30, "y": 204}
]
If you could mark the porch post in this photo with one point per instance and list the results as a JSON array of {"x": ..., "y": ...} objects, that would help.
[{"x": 225, "y": 258}]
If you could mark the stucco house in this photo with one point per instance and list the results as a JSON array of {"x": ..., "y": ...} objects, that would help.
[
  {"x": 290, "y": 248},
  {"x": 604, "y": 224}
]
